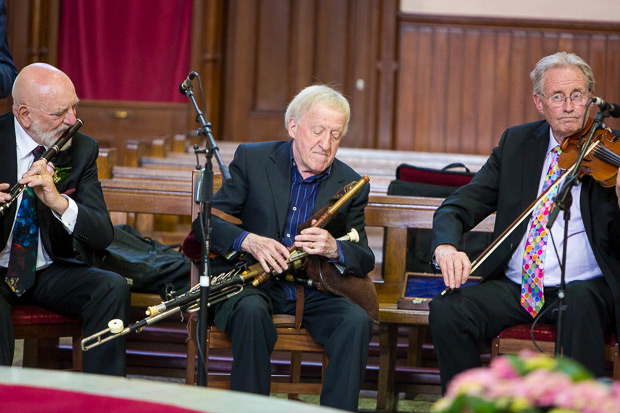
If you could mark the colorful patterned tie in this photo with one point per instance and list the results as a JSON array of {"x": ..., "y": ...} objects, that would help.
[
  {"x": 24, "y": 247},
  {"x": 532, "y": 291}
]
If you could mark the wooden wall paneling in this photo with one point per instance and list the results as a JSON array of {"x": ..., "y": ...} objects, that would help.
[
  {"x": 470, "y": 98},
  {"x": 43, "y": 31},
  {"x": 487, "y": 91},
  {"x": 387, "y": 67},
  {"x": 361, "y": 74},
  {"x": 208, "y": 21},
  {"x": 238, "y": 69},
  {"x": 32, "y": 34},
  {"x": 534, "y": 54},
  {"x": 520, "y": 85},
  {"x": 440, "y": 93},
  {"x": 487, "y": 86},
  {"x": 269, "y": 90},
  {"x": 331, "y": 42},
  {"x": 407, "y": 77},
  {"x": 423, "y": 89},
  {"x": 18, "y": 15},
  {"x": 276, "y": 47},
  {"x": 453, "y": 109},
  {"x": 303, "y": 15},
  {"x": 598, "y": 61},
  {"x": 613, "y": 60},
  {"x": 498, "y": 115}
]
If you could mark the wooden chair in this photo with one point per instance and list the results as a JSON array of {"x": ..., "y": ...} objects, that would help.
[
  {"x": 514, "y": 339},
  {"x": 291, "y": 338},
  {"x": 41, "y": 330}
]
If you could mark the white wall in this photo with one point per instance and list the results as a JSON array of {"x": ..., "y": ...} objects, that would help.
[{"x": 592, "y": 10}]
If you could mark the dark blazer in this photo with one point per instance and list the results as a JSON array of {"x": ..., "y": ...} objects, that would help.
[
  {"x": 259, "y": 196},
  {"x": 93, "y": 227},
  {"x": 8, "y": 71},
  {"x": 508, "y": 184}
]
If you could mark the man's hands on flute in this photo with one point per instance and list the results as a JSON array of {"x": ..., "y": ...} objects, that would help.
[
  {"x": 4, "y": 196},
  {"x": 272, "y": 255},
  {"x": 455, "y": 265},
  {"x": 317, "y": 241},
  {"x": 40, "y": 178}
]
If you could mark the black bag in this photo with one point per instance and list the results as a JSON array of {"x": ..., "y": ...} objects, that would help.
[
  {"x": 415, "y": 181},
  {"x": 148, "y": 265}
]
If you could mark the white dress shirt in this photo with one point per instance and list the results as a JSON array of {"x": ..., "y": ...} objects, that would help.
[
  {"x": 580, "y": 261},
  {"x": 25, "y": 159}
]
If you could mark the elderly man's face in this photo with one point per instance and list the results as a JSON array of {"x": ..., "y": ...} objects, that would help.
[
  {"x": 316, "y": 137},
  {"x": 51, "y": 117},
  {"x": 564, "y": 117}
]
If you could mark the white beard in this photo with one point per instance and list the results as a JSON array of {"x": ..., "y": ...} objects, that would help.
[{"x": 48, "y": 139}]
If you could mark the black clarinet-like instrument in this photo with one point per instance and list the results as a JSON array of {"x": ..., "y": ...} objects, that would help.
[{"x": 47, "y": 156}]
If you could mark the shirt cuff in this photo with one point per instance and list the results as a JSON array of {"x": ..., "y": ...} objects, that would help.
[
  {"x": 69, "y": 218},
  {"x": 237, "y": 244},
  {"x": 340, "y": 264}
]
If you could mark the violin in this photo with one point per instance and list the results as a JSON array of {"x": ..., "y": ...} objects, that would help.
[{"x": 601, "y": 161}]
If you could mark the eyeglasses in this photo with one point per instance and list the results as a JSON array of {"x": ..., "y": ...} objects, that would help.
[{"x": 559, "y": 99}]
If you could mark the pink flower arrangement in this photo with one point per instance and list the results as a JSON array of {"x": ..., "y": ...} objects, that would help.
[{"x": 529, "y": 383}]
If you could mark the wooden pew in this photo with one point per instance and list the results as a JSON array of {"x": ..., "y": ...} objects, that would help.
[
  {"x": 145, "y": 190},
  {"x": 379, "y": 165},
  {"x": 396, "y": 214},
  {"x": 105, "y": 162},
  {"x": 159, "y": 349},
  {"x": 155, "y": 351}
]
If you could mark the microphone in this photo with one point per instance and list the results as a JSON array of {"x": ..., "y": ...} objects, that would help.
[
  {"x": 187, "y": 83},
  {"x": 611, "y": 108}
]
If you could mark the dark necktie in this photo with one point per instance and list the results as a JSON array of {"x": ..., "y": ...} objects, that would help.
[{"x": 24, "y": 247}]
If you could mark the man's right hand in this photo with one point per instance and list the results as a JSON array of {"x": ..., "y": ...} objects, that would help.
[
  {"x": 4, "y": 196},
  {"x": 455, "y": 265},
  {"x": 270, "y": 253}
]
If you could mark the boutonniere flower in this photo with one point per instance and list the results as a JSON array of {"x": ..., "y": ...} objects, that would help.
[{"x": 58, "y": 173}]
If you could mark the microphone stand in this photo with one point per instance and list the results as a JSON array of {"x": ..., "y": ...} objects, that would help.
[
  {"x": 204, "y": 195},
  {"x": 563, "y": 201}
]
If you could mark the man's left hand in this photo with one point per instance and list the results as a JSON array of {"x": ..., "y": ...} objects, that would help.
[
  {"x": 41, "y": 180},
  {"x": 317, "y": 241}
]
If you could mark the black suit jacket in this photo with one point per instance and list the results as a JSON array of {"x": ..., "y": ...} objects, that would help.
[
  {"x": 93, "y": 227},
  {"x": 508, "y": 183},
  {"x": 259, "y": 196},
  {"x": 8, "y": 71}
]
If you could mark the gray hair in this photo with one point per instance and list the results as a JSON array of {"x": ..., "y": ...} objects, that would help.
[
  {"x": 560, "y": 59},
  {"x": 313, "y": 95}
]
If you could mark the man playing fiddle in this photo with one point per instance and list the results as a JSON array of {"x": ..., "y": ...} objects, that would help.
[
  {"x": 38, "y": 230},
  {"x": 521, "y": 280},
  {"x": 277, "y": 186}
]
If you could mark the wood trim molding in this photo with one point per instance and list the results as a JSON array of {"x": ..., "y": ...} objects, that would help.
[{"x": 543, "y": 24}]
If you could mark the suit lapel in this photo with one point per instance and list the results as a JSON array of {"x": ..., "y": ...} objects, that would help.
[
  {"x": 329, "y": 188},
  {"x": 8, "y": 167},
  {"x": 279, "y": 173},
  {"x": 534, "y": 157}
]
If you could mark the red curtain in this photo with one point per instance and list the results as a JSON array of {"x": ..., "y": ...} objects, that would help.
[{"x": 126, "y": 50}]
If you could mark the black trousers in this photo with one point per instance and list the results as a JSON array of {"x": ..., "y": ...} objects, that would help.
[
  {"x": 93, "y": 295},
  {"x": 341, "y": 326},
  {"x": 459, "y": 321}
]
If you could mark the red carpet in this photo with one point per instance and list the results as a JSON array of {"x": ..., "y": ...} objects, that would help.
[{"x": 26, "y": 399}]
